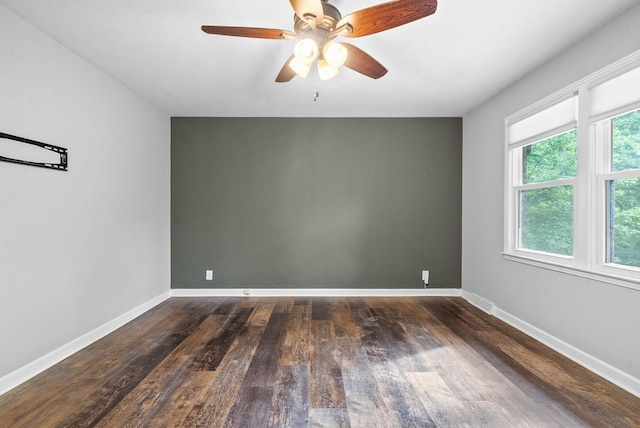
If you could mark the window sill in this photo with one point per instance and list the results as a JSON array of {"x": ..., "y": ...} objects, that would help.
[{"x": 606, "y": 277}]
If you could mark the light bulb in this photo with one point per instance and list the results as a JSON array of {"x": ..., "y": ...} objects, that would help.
[
  {"x": 306, "y": 51},
  {"x": 325, "y": 70},
  {"x": 335, "y": 54},
  {"x": 300, "y": 68}
]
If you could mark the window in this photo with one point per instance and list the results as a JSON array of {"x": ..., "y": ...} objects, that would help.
[
  {"x": 620, "y": 137},
  {"x": 572, "y": 187},
  {"x": 542, "y": 175},
  {"x": 545, "y": 194}
]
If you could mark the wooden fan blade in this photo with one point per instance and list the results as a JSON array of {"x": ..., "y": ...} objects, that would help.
[
  {"x": 258, "y": 33},
  {"x": 305, "y": 8},
  {"x": 387, "y": 15},
  {"x": 286, "y": 73},
  {"x": 360, "y": 61}
]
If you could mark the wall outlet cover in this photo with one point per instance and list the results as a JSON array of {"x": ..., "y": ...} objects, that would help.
[{"x": 425, "y": 276}]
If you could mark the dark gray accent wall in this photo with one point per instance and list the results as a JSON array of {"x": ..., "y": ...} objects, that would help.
[{"x": 315, "y": 202}]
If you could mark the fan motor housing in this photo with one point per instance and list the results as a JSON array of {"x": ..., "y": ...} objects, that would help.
[{"x": 321, "y": 32}]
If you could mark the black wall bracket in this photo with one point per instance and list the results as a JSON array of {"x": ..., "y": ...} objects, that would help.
[{"x": 62, "y": 165}]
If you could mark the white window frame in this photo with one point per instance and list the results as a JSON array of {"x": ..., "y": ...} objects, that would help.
[
  {"x": 513, "y": 177},
  {"x": 603, "y": 175},
  {"x": 590, "y": 197}
]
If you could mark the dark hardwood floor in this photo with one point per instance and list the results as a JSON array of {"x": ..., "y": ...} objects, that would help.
[{"x": 321, "y": 362}]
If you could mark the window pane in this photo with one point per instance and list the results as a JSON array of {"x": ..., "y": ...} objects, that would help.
[
  {"x": 624, "y": 222},
  {"x": 626, "y": 141},
  {"x": 550, "y": 159},
  {"x": 546, "y": 222}
]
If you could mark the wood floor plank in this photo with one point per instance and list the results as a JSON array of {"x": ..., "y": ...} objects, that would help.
[
  {"x": 343, "y": 323},
  {"x": 463, "y": 367},
  {"x": 484, "y": 361},
  {"x": 109, "y": 395},
  {"x": 215, "y": 398},
  {"x": 364, "y": 403},
  {"x": 262, "y": 311},
  {"x": 290, "y": 400},
  {"x": 58, "y": 397},
  {"x": 172, "y": 374},
  {"x": 284, "y": 305},
  {"x": 392, "y": 335},
  {"x": 321, "y": 309},
  {"x": 329, "y": 418},
  {"x": 215, "y": 350},
  {"x": 49, "y": 384},
  {"x": 571, "y": 392},
  {"x": 296, "y": 349},
  {"x": 227, "y": 306},
  {"x": 447, "y": 410},
  {"x": 265, "y": 362},
  {"x": 388, "y": 348},
  {"x": 327, "y": 390},
  {"x": 178, "y": 404},
  {"x": 301, "y": 361},
  {"x": 400, "y": 398},
  {"x": 252, "y": 407}
]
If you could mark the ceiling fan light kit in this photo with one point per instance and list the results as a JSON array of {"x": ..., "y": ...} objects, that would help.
[
  {"x": 300, "y": 68},
  {"x": 306, "y": 51},
  {"x": 325, "y": 70},
  {"x": 317, "y": 23},
  {"x": 335, "y": 54}
]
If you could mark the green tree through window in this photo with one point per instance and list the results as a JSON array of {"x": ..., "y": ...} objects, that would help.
[
  {"x": 551, "y": 159},
  {"x": 624, "y": 194},
  {"x": 572, "y": 178},
  {"x": 547, "y": 213},
  {"x": 625, "y": 148}
]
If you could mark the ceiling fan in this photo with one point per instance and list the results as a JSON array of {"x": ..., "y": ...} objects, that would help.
[{"x": 317, "y": 23}]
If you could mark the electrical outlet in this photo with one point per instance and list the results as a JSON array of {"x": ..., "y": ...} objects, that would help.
[
  {"x": 425, "y": 277},
  {"x": 208, "y": 275}
]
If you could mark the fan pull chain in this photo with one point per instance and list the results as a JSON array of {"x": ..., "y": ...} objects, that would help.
[{"x": 316, "y": 93}]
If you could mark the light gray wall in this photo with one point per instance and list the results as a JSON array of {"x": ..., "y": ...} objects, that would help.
[
  {"x": 595, "y": 317},
  {"x": 77, "y": 248},
  {"x": 300, "y": 203}
]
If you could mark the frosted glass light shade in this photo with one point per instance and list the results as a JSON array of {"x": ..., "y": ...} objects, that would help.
[
  {"x": 306, "y": 51},
  {"x": 300, "y": 68},
  {"x": 335, "y": 54},
  {"x": 325, "y": 70}
]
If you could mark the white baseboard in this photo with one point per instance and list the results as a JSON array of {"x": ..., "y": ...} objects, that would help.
[
  {"x": 607, "y": 371},
  {"x": 25, "y": 373},
  {"x": 479, "y": 302},
  {"x": 314, "y": 292}
]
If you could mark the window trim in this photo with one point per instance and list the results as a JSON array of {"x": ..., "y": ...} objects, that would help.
[
  {"x": 518, "y": 209},
  {"x": 602, "y": 204},
  {"x": 612, "y": 278},
  {"x": 588, "y": 260}
]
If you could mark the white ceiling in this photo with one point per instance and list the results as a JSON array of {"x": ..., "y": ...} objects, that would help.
[{"x": 442, "y": 65}]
